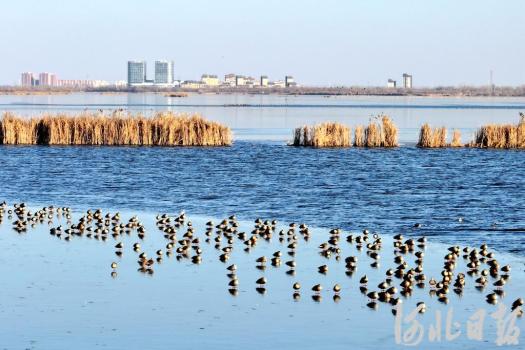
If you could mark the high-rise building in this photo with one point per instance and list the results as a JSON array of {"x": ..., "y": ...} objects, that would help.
[
  {"x": 240, "y": 80},
  {"x": 27, "y": 79},
  {"x": 407, "y": 81},
  {"x": 136, "y": 72},
  {"x": 210, "y": 80},
  {"x": 249, "y": 81},
  {"x": 289, "y": 81},
  {"x": 47, "y": 79},
  {"x": 264, "y": 80},
  {"x": 230, "y": 79},
  {"x": 163, "y": 72}
]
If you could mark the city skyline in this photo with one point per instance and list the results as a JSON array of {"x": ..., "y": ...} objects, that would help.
[{"x": 340, "y": 43}]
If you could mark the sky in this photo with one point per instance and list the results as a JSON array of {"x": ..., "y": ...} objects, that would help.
[{"x": 321, "y": 43}]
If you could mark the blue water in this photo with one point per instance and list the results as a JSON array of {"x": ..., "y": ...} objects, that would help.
[
  {"x": 388, "y": 190},
  {"x": 59, "y": 294}
]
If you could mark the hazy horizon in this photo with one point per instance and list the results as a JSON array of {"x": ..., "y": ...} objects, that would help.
[{"x": 441, "y": 43}]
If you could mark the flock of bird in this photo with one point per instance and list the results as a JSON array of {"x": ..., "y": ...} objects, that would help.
[{"x": 182, "y": 241}]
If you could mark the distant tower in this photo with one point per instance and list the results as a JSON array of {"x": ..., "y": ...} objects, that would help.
[
  {"x": 136, "y": 72},
  {"x": 163, "y": 72},
  {"x": 289, "y": 81},
  {"x": 47, "y": 79},
  {"x": 391, "y": 84},
  {"x": 407, "y": 81},
  {"x": 27, "y": 79}
]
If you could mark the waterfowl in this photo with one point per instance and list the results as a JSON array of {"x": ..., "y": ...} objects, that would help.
[
  {"x": 492, "y": 298},
  {"x": 233, "y": 282},
  {"x": 421, "y": 307},
  {"x": 481, "y": 280},
  {"x": 517, "y": 303},
  {"x": 373, "y": 295},
  {"x": 317, "y": 288},
  {"x": 384, "y": 296},
  {"x": 114, "y": 265},
  {"x": 383, "y": 285},
  {"x": 499, "y": 283},
  {"x": 392, "y": 290},
  {"x": 296, "y": 286},
  {"x": 261, "y": 260},
  {"x": 363, "y": 280}
]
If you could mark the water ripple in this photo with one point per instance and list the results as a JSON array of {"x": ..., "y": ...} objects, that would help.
[{"x": 384, "y": 190}]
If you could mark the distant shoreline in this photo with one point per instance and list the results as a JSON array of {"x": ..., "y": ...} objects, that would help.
[{"x": 460, "y": 91}]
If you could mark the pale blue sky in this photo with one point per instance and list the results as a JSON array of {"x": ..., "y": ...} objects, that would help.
[{"x": 329, "y": 42}]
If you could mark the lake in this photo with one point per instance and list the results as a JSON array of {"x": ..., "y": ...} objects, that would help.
[
  {"x": 273, "y": 117},
  {"x": 57, "y": 293}
]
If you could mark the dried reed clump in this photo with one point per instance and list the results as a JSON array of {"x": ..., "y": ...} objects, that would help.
[
  {"x": 162, "y": 129},
  {"x": 437, "y": 138},
  {"x": 377, "y": 134},
  {"x": 432, "y": 138},
  {"x": 389, "y": 132},
  {"x": 373, "y": 135},
  {"x": 323, "y": 135},
  {"x": 359, "y": 137},
  {"x": 17, "y": 131},
  {"x": 456, "y": 139},
  {"x": 303, "y": 136},
  {"x": 501, "y": 136}
]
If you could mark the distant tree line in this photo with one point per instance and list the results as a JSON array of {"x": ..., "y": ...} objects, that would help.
[{"x": 507, "y": 91}]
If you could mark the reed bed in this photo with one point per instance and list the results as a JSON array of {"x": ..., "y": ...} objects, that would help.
[
  {"x": 432, "y": 138},
  {"x": 377, "y": 134},
  {"x": 162, "y": 129},
  {"x": 437, "y": 138},
  {"x": 16, "y": 131},
  {"x": 456, "y": 139},
  {"x": 501, "y": 136},
  {"x": 380, "y": 134},
  {"x": 359, "y": 137},
  {"x": 323, "y": 135}
]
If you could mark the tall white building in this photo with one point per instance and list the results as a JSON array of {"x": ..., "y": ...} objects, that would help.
[
  {"x": 289, "y": 81},
  {"x": 240, "y": 80},
  {"x": 407, "y": 81},
  {"x": 136, "y": 72},
  {"x": 27, "y": 79},
  {"x": 163, "y": 72},
  {"x": 47, "y": 79}
]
